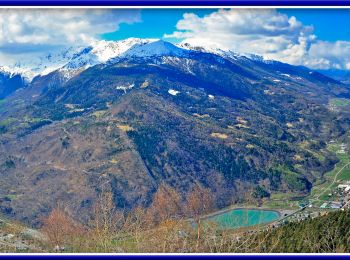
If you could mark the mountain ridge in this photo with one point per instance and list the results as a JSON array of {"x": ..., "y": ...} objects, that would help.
[
  {"x": 103, "y": 51},
  {"x": 233, "y": 124}
]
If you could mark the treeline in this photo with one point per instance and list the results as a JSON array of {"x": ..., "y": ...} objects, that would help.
[
  {"x": 171, "y": 225},
  {"x": 325, "y": 234}
]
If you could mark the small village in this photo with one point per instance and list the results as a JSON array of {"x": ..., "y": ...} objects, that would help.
[{"x": 335, "y": 197}]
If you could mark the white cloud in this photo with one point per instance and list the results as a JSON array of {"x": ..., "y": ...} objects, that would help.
[
  {"x": 264, "y": 32},
  {"x": 325, "y": 54},
  {"x": 36, "y": 29},
  {"x": 73, "y": 26}
]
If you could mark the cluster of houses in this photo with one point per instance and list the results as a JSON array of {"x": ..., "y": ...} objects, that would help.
[
  {"x": 332, "y": 205},
  {"x": 343, "y": 194},
  {"x": 344, "y": 187},
  {"x": 342, "y": 149},
  {"x": 339, "y": 198}
]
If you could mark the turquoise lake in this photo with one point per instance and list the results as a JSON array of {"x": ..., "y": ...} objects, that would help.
[{"x": 237, "y": 218}]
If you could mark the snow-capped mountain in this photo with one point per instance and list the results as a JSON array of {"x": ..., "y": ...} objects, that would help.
[
  {"x": 99, "y": 52},
  {"x": 103, "y": 51},
  {"x": 73, "y": 59},
  {"x": 155, "y": 112},
  {"x": 5, "y": 70},
  {"x": 68, "y": 62},
  {"x": 155, "y": 48},
  {"x": 206, "y": 49},
  {"x": 9, "y": 82},
  {"x": 224, "y": 53},
  {"x": 35, "y": 66}
]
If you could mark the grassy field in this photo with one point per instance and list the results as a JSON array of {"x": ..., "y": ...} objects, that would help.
[
  {"x": 282, "y": 201},
  {"x": 304, "y": 145},
  {"x": 339, "y": 174},
  {"x": 321, "y": 189},
  {"x": 2, "y": 102},
  {"x": 340, "y": 102}
]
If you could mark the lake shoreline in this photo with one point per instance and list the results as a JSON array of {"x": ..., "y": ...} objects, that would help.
[
  {"x": 236, "y": 212},
  {"x": 280, "y": 212}
]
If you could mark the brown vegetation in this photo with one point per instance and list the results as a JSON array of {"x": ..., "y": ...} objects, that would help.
[
  {"x": 166, "y": 205},
  {"x": 162, "y": 227},
  {"x": 61, "y": 230},
  {"x": 172, "y": 224},
  {"x": 199, "y": 202}
]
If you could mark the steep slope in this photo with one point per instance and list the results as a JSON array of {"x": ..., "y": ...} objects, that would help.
[
  {"x": 341, "y": 75},
  {"x": 159, "y": 113},
  {"x": 9, "y": 82},
  {"x": 325, "y": 234},
  {"x": 68, "y": 62}
]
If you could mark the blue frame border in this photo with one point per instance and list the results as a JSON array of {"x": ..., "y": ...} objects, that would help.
[
  {"x": 154, "y": 3},
  {"x": 175, "y": 3}
]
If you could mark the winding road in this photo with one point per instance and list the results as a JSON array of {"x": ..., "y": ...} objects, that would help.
[{"x": 334, "y": 180}]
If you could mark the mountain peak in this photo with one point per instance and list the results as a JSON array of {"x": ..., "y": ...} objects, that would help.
[
  {"x": 214, "y": 50},
  {"x": 73, "y": 60},
  {"x": 105, "y": 50},
  {"x": 155, "y": 48}
]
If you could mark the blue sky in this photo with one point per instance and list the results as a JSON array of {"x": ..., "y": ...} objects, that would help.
[
  {"x": 316, "y": 38},
  {"x": 329, "y": 24},
  {"x": 154, "y": 23}
]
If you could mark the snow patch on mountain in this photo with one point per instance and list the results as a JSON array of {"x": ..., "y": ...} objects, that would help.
[
  {"x": 156, "y": 48},
  {"x": 125, "y": 87},
  {"x": 230, "y": 54},
  {"x": 206, "y": 49},
  {"x": 173, "y": 92},
  {"x": 30, "y": 68},
  {"x": 286, "y": 75},
  {"x": 6, "y": 71},
  {"x": 70, "y": 61},
  {"x": 103, "y": 51}
]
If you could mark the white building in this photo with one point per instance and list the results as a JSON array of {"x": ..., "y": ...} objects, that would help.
[{"x": 345, "y": 187}]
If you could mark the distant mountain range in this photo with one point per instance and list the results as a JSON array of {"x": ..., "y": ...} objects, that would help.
[
  {"x": 70, "y": 61},
  {"x": 341, "y": 75},
  {"x": 130, "y": 115},
  {"x": 71, "y": 58}
]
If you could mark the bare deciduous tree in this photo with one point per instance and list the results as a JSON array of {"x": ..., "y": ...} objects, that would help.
[
  {"x": 61, "y": 229},
  {"x": 199, "y": 202},
  {"x": 166, "y": 205},
  {"x": 106, "y": 222}
]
